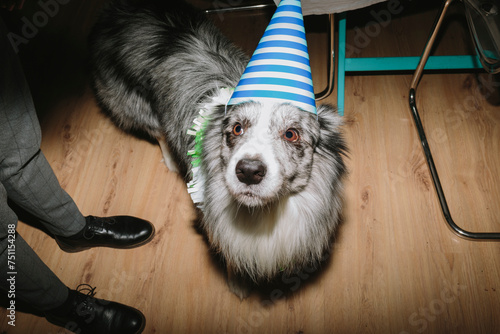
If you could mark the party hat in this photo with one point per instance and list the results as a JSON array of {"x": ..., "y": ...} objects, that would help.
[{"x": 279, "y": 70}]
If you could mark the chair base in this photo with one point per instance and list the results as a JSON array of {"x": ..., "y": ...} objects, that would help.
[{"x": 425, "y": 145}]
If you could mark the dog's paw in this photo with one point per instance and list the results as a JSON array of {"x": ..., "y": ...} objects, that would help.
[
  {"x": 241, "y": 287},
  {"x": 171, "y": 164},
  {"x": 167, "y": 157}
]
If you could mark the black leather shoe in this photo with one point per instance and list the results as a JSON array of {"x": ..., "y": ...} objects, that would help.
[
  {"x": 82, "y": 313},
  {"x": 115, "y": 232}
]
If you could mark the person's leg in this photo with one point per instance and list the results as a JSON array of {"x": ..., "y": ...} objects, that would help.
[
  {"x": 24, "y": 171},
  {"x": 27, "y": 178},
  {"x": 30, "y": 181},
  {"x": 34, "y": 282},
  {"x": 24, "y": 274}
]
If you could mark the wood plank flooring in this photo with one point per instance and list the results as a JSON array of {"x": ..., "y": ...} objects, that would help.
[{"x": 395, "y": 266}]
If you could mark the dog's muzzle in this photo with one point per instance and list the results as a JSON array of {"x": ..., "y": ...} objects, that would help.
[{"x": 250, "y": 171}]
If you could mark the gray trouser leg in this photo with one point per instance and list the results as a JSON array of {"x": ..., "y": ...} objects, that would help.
[
  {"x": 27, "y": 179},
  {"x": 24, "y": 171},
  {"x": 34, "y": 282}
]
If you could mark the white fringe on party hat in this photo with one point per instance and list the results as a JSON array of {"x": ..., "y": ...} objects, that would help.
[{"x": 279, "y": 70}]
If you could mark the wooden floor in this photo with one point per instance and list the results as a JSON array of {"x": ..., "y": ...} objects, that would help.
[{"x": 395, "y": 267}]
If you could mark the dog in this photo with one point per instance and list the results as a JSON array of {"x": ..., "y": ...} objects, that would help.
[{"x": 272, "y": 173}]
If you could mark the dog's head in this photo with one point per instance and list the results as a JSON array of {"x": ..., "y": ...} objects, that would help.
[
  {"x": 256, "y": 155},
  {"x": 266, "y": 154}
]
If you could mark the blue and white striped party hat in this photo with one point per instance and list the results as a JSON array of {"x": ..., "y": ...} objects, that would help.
[{"x": 279, "y": 70}]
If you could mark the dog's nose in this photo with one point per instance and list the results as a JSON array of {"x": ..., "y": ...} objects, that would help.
[{"x": 250, "y": 171}]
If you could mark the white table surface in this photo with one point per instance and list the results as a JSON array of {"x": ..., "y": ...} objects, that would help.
[{"x": 318, "y": 7}]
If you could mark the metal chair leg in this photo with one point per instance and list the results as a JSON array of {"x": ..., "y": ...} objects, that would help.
[
  {"x": 230, "y": 9},
  {"x": 331, "y": 60},
  {"x": 430, "y": 162}
]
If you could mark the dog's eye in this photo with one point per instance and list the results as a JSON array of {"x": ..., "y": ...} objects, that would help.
[
  {"x": 237, "y": 129},
  {"x": 291, "y": 135}
]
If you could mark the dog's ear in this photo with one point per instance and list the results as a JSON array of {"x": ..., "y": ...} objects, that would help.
[{"x": 331, "y": 141}]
